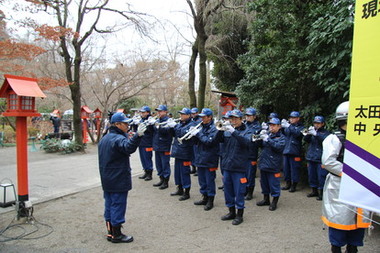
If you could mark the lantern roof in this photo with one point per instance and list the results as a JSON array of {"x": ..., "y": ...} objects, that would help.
[
  {"x": 97, "y": 110},
  {"x": 86, "y": 109},
  {"x": 22, "y": 86}
]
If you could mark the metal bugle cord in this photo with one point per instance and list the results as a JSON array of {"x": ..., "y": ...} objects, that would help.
[{"x": 189, "y": 134}]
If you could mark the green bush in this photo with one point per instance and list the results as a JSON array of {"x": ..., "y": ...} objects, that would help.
[{"x": 57, "y": 145}]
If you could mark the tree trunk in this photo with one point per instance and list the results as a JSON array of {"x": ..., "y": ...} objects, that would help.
[
  {"x": 202, "y": 71},
  {"x": 193, "y": 59}
]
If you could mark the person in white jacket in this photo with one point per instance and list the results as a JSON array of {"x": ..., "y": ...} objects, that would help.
[{"x": 346, "y": 223}]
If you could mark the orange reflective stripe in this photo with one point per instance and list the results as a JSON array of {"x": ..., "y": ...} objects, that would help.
[
  {"x": 297, "y": 159},
  {"x": 167, "y": 153},
  {"x": 338, "y": 226},
  {"x": 277, "y": 175},
  {"x": 323, "y": 166},
  {"x": 359, "y": 219},
  {"x": 213, "y": 169},
  {"x": 186, "y": 163},
  {"x": 253, "y": 163},
  {"x": 148, "y": 149},
  {"x": 243, "y": 180}
]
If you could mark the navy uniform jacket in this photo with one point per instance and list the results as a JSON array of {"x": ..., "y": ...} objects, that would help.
[
  {"x": 235, "y": 157},
  {"x": 207, "y": 154},
  {"x": 293, "y": 135},
  {"x": 114, "y": 150},
  {"x": 271, "y": 155},
  {"x": 182, "y": 151},
  {"x": 162, "y": 138},
  {"x": 314, "y": 151},
  {"x": 254, "y": 128},
  {"x": 147, "y": 138}
]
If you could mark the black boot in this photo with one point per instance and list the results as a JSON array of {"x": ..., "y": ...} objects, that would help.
[
  {"x": 118, "y": 236},
  {"x": 249, "y": 193},
  {"x": 239, "y": 217},
  {"x": 265, "y": 201},
  {"x": 351, "y": 249},
  {"x": 143, "y": 176},
  {"x": 221, "y": 187},
  {"x": 231, "y": 215},
  {"x": 273, "y": 205},
  {"x": 165, "y": 184},
  {"x": 148, "y": 175},
  {"x": 193, "y": 169},
  {"x": 109, "y": 231},
  {"x": 293, "y": 187},
  {"x": 287, "y": 186},
  {"x": 179, "y": 191},
  {"x": 336, "y": 249},
  {"x": 159, "y": 183},
  {"x": 203, "y": 201},
  {"x": 186, "y": 194},
  {"x": 313, "y": 193},
  {"x": 320, "y": 194},
  {"x": 210, "y": 203}
]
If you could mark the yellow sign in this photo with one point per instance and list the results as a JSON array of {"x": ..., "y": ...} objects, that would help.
[{"x": 364, "y": 115}]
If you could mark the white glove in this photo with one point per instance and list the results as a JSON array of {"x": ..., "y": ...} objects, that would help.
[
  {"x": 195, "y": 132},
  {"x": 141, "y": 129},
  {"x": 229, "y": 128},
  {"x": 264, "y": 126},
  {"x": 151, "y": 121},
  {"x": 136, "y": 121},
  {"x": 285, "y": 123},
  {"x": 264, "y": 137},
  {"x": 312, "y": 131},
  {"x": 171, "y": 124}
]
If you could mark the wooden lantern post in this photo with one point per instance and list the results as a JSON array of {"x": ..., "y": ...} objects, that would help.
[
  {"x": 85, "y": 114},
  {"x": 21, "y": 93}
]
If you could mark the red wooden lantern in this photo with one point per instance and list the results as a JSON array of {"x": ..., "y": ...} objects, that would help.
[
  {"x": 85, "y": 113},
  {"x": 21, "y": 93},
  {"x": 98, "y": 113}
]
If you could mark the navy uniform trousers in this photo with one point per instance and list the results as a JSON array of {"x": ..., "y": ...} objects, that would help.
[
  {"x": 292, "y": 165},
  {"x": 146, "y": 155},
  {"x": 317, "y": 175},
  {"x": 115, "y": 206},
  {"x": 182, "y": 173},
  {"x": 340, "y": 238},
  {"x": 206, "y": 179},
  {"x": 270, "y": 183},
  {"x": 235, "y": 184},
  {"x": 251, "y": 174},
  {"x": 162, "y": 163}
]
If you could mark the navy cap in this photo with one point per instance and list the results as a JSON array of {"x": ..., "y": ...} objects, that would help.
[
  {"x": 185, "y": 110},
  {"x": 120, "y": 117},
  {"x": 250, "y": 111},
  {"x": 161, "y": 108},
  {"x": 236, "y": 113},
  {"x": 227, "y": 115},
  {"x": 194, "y": 110},
  {"x": 273, "y": 115},
  {"x": 205, "y": 112},
  {"x": 274, "y": 121},
  {"x": 145, "y": 109},
  {"x": 319, "y": 119},
  {"x": 294, "y": 114}
]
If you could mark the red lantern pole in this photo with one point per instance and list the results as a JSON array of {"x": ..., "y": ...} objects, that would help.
[{"x": 22, "y": 159}]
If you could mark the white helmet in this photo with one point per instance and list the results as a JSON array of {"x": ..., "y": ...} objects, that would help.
[{"x": 342, "y": 111}]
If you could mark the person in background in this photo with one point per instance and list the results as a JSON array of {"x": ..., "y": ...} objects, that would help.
[
  {"x": 196, "y": 119},
  {"x": 56, "y": 121},
  {"x": 254, "y": 127},
  {"x": 270, "y": 162},
  {"x": 346, "y": 223},
  {"x": 162, "y": 141},
  {"x": 317, "y": 175},
  {"x": 292, "y": 151},
  {"x": 183, "y": 154},
  {"x": 146, "y": 145},
  {"x": 114, "y": 150}
]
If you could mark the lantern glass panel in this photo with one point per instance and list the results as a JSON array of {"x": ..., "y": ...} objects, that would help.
[
  {"x": 27, "y": 103},
  {"x": 13, "y": 102}
]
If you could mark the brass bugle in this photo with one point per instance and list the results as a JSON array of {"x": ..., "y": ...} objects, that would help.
[{"x": 188, "y": 135}]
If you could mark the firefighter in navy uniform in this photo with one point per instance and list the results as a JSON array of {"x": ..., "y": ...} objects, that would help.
[
  {"x": 115, "y": 173},
  {"x": 206, "y": 158},
  {"x": 146, "y": 145},
  {"x": 196, "y": 119},
  {"x": 162, "y": 141},
  {"x": 236, "y": 137},
  {"x": 270, "y": 162},
  {"x": 317, "y": 175},
  {"x": 254, "y": 127},
  {"x": 183, "y": 154},
  {"x": 292, "y": 150},
  {"x": 346, "y": 223}
]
